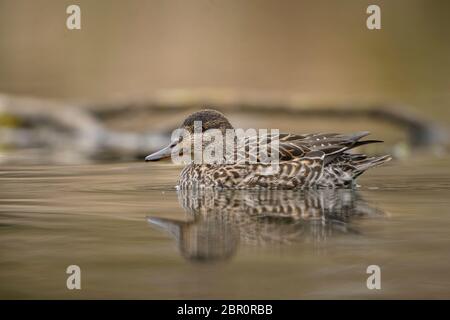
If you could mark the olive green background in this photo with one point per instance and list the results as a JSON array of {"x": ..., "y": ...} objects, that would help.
[{"x": 319, "y": 50}]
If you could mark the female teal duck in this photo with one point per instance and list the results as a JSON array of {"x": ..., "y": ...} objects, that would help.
[
  {"x": 219, "y": 221},
  {"x": 317, "y": 160}
]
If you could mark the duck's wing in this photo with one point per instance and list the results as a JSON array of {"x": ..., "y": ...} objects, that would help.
[
  {"x": 294, "y": 146},
  {"x": 290, "y": 146}
]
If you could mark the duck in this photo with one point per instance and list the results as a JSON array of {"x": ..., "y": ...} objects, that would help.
[
  {"x": 217, "y": 222},
  {"x": 312, "y": 160}
]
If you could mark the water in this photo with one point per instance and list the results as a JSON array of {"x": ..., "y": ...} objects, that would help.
[{"x": 133, "y": 236}]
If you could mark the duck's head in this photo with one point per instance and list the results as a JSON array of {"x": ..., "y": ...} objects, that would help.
[{"x": 198, "y": 123}]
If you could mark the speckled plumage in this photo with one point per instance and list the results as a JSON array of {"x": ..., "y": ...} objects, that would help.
[
  {"x": 217, "y": 221},
  {"x": 305, "y": 161}
]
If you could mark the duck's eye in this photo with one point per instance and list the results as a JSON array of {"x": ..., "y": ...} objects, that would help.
[{"x": 176, "y": 141}]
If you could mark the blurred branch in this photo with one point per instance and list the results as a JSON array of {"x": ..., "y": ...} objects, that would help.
[
  {"x": 421, "y": 133},
  {"x": 73, "y": 132},
  {"x": 68, "y": 132}
]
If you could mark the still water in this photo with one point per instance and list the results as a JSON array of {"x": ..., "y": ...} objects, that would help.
[{"x": 134, "y": 236}]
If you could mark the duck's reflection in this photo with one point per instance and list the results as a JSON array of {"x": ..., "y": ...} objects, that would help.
[{"x": 219, "y": 220}]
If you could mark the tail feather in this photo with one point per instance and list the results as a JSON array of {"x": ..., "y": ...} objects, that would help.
[
  {"x": 355, "y": 136},
  {"x": 362, "y": 165},
  {"x": 361, "y": 143},
  {"x": 341, "y": 143}
]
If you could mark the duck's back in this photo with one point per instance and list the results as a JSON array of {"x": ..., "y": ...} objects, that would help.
[{"x": 313, "y": 160}]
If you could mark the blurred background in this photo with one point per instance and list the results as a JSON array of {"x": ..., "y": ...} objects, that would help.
[
  {"x": 80, "y": 109},
  {"x": 116, "y": 88}
]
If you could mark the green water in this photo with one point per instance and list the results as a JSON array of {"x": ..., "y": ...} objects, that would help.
[{"x": 134, "y": 236}]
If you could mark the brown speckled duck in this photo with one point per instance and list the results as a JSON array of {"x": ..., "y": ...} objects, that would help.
[
  {"x": 317, "y": 160},
  {"x": 219, "y": 221}
]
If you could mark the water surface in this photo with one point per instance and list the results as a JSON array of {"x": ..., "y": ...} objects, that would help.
[{"x": 134, "y": 236}]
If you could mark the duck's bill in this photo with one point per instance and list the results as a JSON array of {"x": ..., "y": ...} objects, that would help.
[
  {"x": 169, "y": 225},
  {"x": 161, "y": 154}
]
